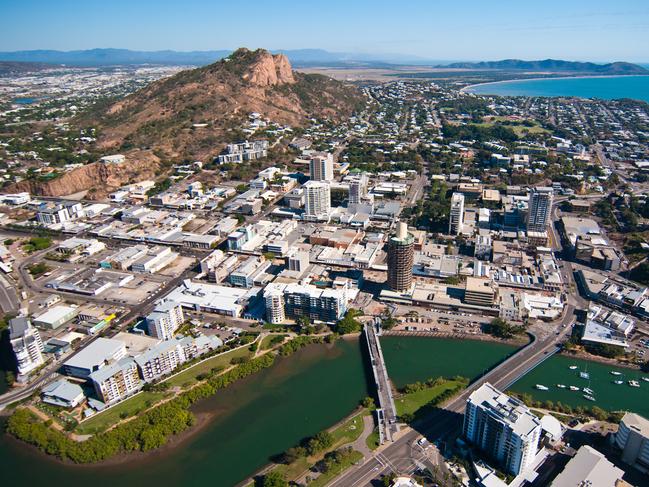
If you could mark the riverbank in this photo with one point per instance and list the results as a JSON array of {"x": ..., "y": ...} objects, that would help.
[
  {"x": 236, "y": 431},
  {"x": 149, "y": 430}
]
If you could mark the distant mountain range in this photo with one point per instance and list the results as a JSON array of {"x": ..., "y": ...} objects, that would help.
[
  {"x": 552, "y": 65},
  {"x": 106, "y": 57},
  {"x": 303, "y": 58}
]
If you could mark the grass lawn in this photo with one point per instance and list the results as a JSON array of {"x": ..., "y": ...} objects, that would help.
[
  {"x": 325, "y": 478},
  {"x": 372, "y": 441},
  {"x": 188, "y": 377},
  {"x": 518, "y": 129},
  {"x": 410, "y": 403},
  {"x": 266, "y": 342},
  {"x": 346, "y": 433},
  {"x": 134, "y": 405}
]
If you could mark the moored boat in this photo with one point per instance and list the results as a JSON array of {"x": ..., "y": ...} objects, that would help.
[
  {"x": 634, "y": 383},
  {"x": 573, "y": 367},
  {"x": 613, "y": 372},
  {"x": 618, "y": 382},
  {"x": 541, "y": 387},
  {"x": 574, "y": 388},
  {"x": 590, "y": 398},
  {"x": 561, "y": 386}
]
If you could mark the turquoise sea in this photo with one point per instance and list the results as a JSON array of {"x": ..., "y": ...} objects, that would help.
[{"x": 606, "y": 88}]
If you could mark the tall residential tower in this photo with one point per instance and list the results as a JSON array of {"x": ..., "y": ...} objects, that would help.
[
  {"x": 317, "y": 201},
  {"x": 539, "y": 215},
  {"x": 321, "y": 168},
  {"x": 503, "y": 428},
  {"x": 401, "y": 256},
  {"x": 456, "y": 217}
]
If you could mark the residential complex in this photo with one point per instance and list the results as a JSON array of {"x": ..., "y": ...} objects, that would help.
[
  {"x": 165, "y": 319},
  {"x": 503, "y": 428}
]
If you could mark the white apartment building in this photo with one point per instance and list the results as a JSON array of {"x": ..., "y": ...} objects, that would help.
[
  {"x": 165, "y": 319},
  {"x": 456, "y": 217},
  {"x": 274, "y": 299},
  {"x": 317, "y": 199},
  {"x": 117, "y": 381},
  {"x": 160, "y": 360},
  {"x": 27, "y": 345},
  {"x": 539, "y": 215},
  {"x": 321, "y": 168},
  {"x": 502, "y": 427}
]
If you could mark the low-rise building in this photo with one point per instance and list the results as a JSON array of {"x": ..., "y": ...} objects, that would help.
[
  {"x": 155, "y": 259},
  {"x": 589, "y": 468},
  {"x": 63, "y": 394},
  {"x": 95, "y": 356},
  {"x": 55, "y": 317},
  {"x": 479, "y": 291}
]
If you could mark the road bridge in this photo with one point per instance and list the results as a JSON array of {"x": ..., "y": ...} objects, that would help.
[{"x": 387, "y": 412}]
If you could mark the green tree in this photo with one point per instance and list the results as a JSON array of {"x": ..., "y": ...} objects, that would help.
[
  {"x": 349, "y": 324},
  {"x": 273, "y": 479}
]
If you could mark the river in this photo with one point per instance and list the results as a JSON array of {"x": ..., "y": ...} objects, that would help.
[
  {"x": 265, "y": 414},
  {"x": 411, "y": 359},
  {"x": 256, "y": 418}
]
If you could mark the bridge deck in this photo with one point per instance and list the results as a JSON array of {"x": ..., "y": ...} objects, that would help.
[{"x": 387, "y": 415}]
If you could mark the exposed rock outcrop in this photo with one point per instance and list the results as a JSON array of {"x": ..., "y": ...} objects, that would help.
[{"x": 98, "y": 177}]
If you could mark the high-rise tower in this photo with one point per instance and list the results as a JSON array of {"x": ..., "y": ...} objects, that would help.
[
  {"x": 401, "y": 256},
  {"x": 538, "y": 217}
]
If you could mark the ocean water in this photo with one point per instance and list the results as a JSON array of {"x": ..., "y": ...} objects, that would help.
[{"x": 606, "y": 88}]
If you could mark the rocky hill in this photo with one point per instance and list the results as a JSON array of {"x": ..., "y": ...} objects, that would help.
[
  {"x": 555, "y": 65},
  {"x": 193, "y": 114}
]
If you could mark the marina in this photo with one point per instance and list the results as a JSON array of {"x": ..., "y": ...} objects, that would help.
[{"x": 609, "y": 387}]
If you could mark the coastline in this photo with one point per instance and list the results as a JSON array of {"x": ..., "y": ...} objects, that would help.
[{"x": 468, "y": 88}]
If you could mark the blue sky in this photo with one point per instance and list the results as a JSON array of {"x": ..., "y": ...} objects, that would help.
[{"x": 595, "y": 30}]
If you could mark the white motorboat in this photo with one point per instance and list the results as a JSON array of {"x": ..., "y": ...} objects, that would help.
[
  {"x": 584, "y": 375},
  {"x": 574, "y": 388},
  {"x": 541, "y": 387},
  {"x": 561, "y": 386},
  {"x": 573, "y": 367},
  {"x": 646, "y": 379},
  {"x": 588, "y": 391},
  {"x": 590, "y": 398},
  {"x": 634, "y": 383},
  {"x": 618, "y": 382},
  {"x": 613, "y": 372}
]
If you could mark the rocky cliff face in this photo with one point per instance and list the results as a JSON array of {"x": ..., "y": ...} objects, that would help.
[
  {"x": 99, "y": 178},
  {"x": 270, "y": 70}
]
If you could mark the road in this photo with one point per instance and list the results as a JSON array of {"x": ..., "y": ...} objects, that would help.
[
  {"x": 398, "y": 457},
  {"x": 9, "y": 301}
]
